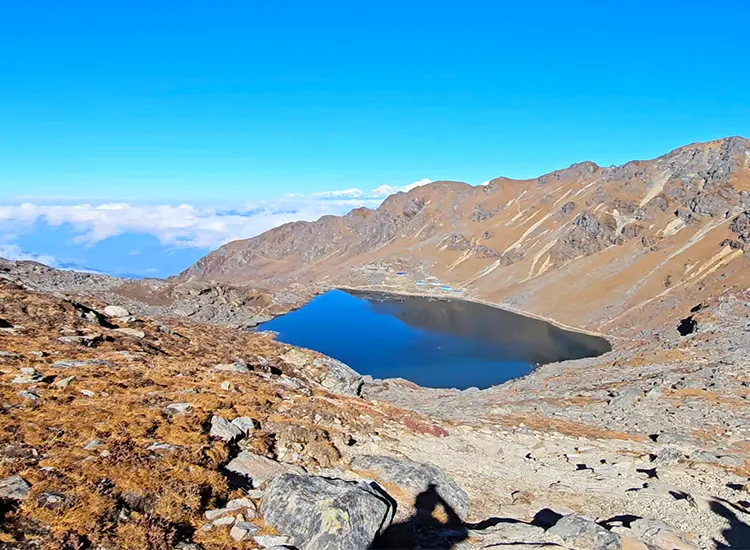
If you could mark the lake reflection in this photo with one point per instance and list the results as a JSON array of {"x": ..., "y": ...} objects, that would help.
[{"x": 432, "y": 342}]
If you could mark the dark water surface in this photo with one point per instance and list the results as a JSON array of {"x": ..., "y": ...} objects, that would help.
[{"x": 434, "y": 342}]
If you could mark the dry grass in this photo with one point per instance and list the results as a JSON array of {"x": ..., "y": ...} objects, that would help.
[{"x": 122, "y": 495}]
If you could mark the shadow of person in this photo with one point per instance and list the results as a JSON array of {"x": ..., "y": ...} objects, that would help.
[
  {"x": 434, "y": 524},
  {"x": 737, "y": 535}
]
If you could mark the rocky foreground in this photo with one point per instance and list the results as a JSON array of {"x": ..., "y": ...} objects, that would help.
[{"x": 130, "y": 431}]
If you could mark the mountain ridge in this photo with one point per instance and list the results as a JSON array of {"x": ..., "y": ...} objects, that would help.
[{"x": 636, "y": 229}]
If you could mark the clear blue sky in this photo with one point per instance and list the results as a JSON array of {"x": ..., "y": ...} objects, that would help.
[{"x": 239, "y": 100}]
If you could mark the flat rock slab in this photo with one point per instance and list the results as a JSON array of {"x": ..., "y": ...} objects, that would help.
[
  {"x": 421, "y": 481},
  {"x": 318, "y": 513},
  {"x": 259, "y": 468}
]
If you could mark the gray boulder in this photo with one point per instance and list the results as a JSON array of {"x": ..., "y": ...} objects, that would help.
[
  {"x": 318, "y": 513},
  {"x": 414, "y": 478},
  {"x": 14, "y": 488},
  {"x": 223, "y": 429},
  {"x": 583, "y": 534},
  {"x": 333, "y": 375}
]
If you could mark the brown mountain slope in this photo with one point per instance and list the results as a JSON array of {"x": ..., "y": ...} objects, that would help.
[{"x": 608, "y": 249}]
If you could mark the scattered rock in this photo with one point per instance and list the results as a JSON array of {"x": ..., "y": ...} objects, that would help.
[
  {"x": 271, "y": 541},
  {"x": 232, "y": 367},
  {"x": 245, "y": 423},
  {"x": 162, "y": 447},
  {"x": 28, "y": 376},
  {"x": 88, "y": 340},
  {"x": 243, "y": 530},
  {"x": 327, "y": 514},
  {"x": 131, "y": 332},
  {"x": 259, "y": 468},
  {"x": 225, "y": 430},
  {"x": 414, "y": 478},
  {"x": 9, "y": 355},
  {"x": 116, "y": 311},
  {"x": 31, "y": 396},
  {"x": 178, "y": 408},
  {"x": 64, "y": 382},
  {"x": 14, "y": 488},
  {"x": 82, "y": 363},
  {"x": 88, "y": 393},
  {"x": 94, "y": 444}
]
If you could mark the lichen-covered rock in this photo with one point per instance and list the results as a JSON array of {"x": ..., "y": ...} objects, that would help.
[
  {"x": 414, "y": 478},
  {"x": 327, "y": 514}
]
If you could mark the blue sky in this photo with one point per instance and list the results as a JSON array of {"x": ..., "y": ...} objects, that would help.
[{"x": 242, "y": 103}]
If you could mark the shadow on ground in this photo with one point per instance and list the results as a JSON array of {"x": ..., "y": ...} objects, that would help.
[{"x": 435, "y": 524}]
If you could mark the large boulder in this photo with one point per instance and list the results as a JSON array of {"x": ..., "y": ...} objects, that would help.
[
  {"x": 333, "y": 375},
  {"x": 414, "y": 479},
  {"x": 318, "y": 513}
]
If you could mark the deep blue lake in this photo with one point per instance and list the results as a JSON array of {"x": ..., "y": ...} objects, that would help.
[{"x": 438, "y": 343}]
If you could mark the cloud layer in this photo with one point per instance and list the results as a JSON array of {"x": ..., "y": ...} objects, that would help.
[{"x": 174, "y": 226}]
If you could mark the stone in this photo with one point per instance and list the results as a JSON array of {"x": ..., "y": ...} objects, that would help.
[
  {"x": 243, "y": 530},
  {"x": 94, "y": 444},
  {"x": 414, "y": 478},
  {"x": 583, "y": 534},
  {"x": 162, "y": 447},
  {"x": 88, "y": 393},
  {"x": 14, "y": 488},
  {"x": 271, "y": 541},
  {"x": 259, "y": 468},
  {"x": 245, "y": 423},
  {"x": 64, "y": 382},
  {"x": 232, "y": 367},
  {"x": 135, "y": 333},
  {"x": 116, "y": 311},
  {"x": 88, "y": 340},
  {"x": 227, "y": 385},
  {"x": 223, "y": 429},
  {"x": 327, "y": 514},
  {"x": 28, "y": 376},
  {"x": 223, "y": 521},
  {"x": 178, "y": 408},
  {"x": 31, "y": 396},
  {"x": 9, "y": 355},
  {"x": 82, "y": 363},
  {"x": 245, "y": 504}
]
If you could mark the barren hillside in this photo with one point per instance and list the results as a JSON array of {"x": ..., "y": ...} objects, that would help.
[{"x": 600, "y": 248}]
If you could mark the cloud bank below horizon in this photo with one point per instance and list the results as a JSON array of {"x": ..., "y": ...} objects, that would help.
[{"x": 85, "y": 234}]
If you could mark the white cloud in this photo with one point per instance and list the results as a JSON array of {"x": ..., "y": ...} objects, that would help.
[
  {"x": 343, "y": 194},
  {"x": 179, "y": 225},
  {"x": 14, "y": 252}
]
